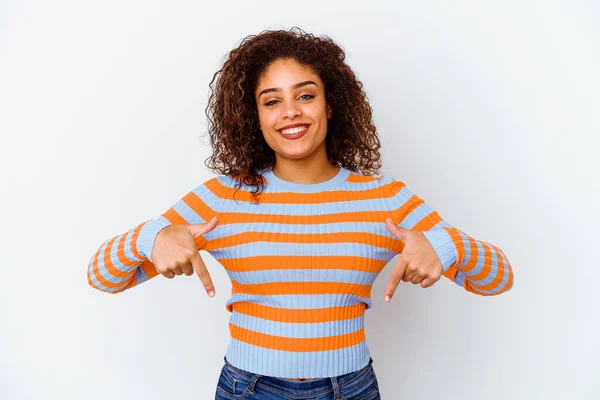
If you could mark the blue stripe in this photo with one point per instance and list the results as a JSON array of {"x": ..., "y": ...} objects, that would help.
[
  {"x": 297, "y": 330},
  {"x": 102, "y": 267},
  {"x": 415, "y": 216},
  {"x": 101, "y": 270},
  {"x": 128, "y": 245},
  {"x": 325, "y": 228},
  {"x": 292, "y": 364},
  {"x": 303, "y": 249},
  {"x": 298, "y": 301},
  {"x": 230, "y": 182},
  {"x": 333, "y": 207},
  {"x": 304, "y": 275},
  {"x": 140, "y": 276}
]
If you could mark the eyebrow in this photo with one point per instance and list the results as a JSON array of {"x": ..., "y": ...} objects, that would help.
[{"x": 296, "y": 86}]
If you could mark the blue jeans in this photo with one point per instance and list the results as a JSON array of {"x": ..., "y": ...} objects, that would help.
[{"x": 235, "y": 384}]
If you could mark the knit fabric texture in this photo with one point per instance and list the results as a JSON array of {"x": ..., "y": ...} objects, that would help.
[{"x": 302, "y": 263}]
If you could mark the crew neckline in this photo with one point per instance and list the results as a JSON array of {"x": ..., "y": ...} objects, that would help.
[{"x": 341, "y": 176}]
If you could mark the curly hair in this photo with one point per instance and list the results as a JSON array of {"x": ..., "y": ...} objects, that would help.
[{"x": 239, "y": 148}]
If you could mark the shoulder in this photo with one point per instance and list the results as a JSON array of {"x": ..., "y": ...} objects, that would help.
[{"x": 377, "y": 180}]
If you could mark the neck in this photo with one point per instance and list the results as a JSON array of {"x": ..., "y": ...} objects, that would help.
[{"x": 305, "y": 171}]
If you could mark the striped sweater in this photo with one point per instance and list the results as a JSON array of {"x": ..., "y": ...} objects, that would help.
[{"x": 302, "y": 263}]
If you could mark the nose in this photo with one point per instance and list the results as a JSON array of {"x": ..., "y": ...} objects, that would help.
[{"x": 291, "y": 110}]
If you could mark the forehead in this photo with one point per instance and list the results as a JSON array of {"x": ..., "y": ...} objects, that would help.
[{"x": 285, "y": 73}]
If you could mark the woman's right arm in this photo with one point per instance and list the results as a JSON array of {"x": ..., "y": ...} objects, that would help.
[{"x": 125, "y": 261}]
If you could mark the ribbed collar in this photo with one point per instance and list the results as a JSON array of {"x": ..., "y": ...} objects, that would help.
[{"x": 341, "y": 176}]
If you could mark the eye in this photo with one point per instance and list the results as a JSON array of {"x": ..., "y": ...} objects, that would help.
[
  {"x": 307, "y": 96},
  {"x": 270, "y": 103}
]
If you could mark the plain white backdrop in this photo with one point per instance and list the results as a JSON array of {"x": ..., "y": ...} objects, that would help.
[{"x": 489, "y": 111}]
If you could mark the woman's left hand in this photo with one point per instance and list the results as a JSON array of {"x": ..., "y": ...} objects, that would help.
[{"x": 418, "y": 262}]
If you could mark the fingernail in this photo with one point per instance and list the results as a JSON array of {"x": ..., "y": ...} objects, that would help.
[
  {"x": 387, "y": 299},
  {"x": 211, "y": 293}
]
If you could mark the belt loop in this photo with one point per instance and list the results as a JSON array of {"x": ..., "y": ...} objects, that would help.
[
  {"x": 253, "y": 383},
  {"x": 337, "y": 395}
]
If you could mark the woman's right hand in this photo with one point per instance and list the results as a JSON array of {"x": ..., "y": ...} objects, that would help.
[{"x": 175, "y": 252}]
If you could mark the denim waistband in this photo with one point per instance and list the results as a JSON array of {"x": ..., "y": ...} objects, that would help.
[{"x": 313, "y": 385}]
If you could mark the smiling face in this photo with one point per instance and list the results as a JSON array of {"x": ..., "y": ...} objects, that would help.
[{"x": 292, "y": 110}]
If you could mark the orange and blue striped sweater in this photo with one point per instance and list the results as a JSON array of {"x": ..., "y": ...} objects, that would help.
[{"x": 302, "y": 263}]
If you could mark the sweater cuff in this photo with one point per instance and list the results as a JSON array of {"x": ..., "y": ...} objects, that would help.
[
  {"x": 145, "y": 241},
  {"x": 444, "y": 247}
]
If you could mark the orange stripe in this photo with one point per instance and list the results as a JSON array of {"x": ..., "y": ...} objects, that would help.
[
  {"x": 258, "y": 263},
  {"x": 474, "y": 254},
  {"x": 296, "y": 344},
  {"x": 134, "y": 239},
  {"x": 108, "y": 264},
  {"x": 121, "y": 253},
  {"x": 174, "y": 218},
  {"x": 427, "y": 222},
  {"x": 503, "y": 268},
  {"x": 303, "y": 315},
  {"x": 455, "y": 235},
  {"x": 487, "y": 264},
  {"x": 384, "y": 242},
  {"x": 96, "y": 271},
  {"x": 199, "y": 206},
  {"x": 149, "y": 268},
  {"x": 96, "y": 268},
  {"x": 275, "y": 288},
  {"x": 451, "y": 272},
  {"x": 313, "y": 219},
  {"x": 222, "y": 192},
  {"x": 361, "y": 178},
  {"x": 499, "y": 276}
]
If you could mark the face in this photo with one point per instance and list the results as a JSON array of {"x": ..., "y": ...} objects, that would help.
[{"x": 292, "y": 110}]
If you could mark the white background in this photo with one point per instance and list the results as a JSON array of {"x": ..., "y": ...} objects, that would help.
[{"x": 487, "y": 110}]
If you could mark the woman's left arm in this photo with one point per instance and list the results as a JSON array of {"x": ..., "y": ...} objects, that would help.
[{"x": 430, "y": 247}]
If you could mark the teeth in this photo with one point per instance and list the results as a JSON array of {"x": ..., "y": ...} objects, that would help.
[{"x": 291, "y": 131}]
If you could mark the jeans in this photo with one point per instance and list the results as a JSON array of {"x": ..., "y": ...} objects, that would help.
[{"x": 235, "y": 384}]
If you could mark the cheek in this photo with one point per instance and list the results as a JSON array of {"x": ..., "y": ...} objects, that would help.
[{"x": 267, "y": 120}]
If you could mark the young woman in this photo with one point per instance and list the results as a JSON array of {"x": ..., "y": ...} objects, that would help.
[{"x": 301, "y": 224}]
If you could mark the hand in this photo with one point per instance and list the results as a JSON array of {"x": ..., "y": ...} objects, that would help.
[
  {"x": 418, "y": 262},
  {"x": 175, "y": 252}
]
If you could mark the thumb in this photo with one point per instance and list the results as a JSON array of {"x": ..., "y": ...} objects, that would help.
[
  {"x": 201, "y": 229},
  {"x": 399, "y": 232}
]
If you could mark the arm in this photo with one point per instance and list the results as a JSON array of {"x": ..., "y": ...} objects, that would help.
[
  {"x": 477, "y": 266},
  {"x": 125, "y": 260}
]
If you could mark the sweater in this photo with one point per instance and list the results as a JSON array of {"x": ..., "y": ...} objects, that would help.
[{"x": 302, "y": 263}]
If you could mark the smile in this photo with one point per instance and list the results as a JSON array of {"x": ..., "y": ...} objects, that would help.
[{"x": 295, "y": 132}]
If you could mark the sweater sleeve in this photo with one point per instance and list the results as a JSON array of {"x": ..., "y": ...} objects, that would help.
[
  {"x": 125, "y": 260},
  {"x": 479, "y": 267}
]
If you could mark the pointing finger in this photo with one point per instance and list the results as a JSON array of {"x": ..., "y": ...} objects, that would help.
[
  {"x": 395, "y": 278},
  {"x": 203, "y": 274}
]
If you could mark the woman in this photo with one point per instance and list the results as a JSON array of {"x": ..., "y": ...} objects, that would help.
[{"x": 304, "y": 226}]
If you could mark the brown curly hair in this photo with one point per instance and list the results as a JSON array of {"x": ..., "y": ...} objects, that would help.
[{"x": 239, "y": 148}]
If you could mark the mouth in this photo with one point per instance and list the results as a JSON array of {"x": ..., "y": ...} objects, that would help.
[{"x": 294, "y": 131}]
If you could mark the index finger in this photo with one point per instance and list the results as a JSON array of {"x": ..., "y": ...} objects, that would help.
[
  {"x": 203, "y": 274},
  {"x": 395, "y": 278}
]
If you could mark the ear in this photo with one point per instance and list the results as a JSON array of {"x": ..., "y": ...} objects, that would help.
[{"x": 329, "y": 112}]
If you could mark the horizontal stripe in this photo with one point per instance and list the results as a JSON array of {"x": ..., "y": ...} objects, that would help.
[
  {"x": 301, "y": 249},
  {"x": 292, "y": 364},
  {"x": 300, "y": 315},
  {"x": 234, "y": 229},
  {"x": 299, "y": 301},
  {"x": 303, "y": 288},
  {"x": 294, "y": 344},
  {"x": 296, "y": 330},
  {"x": 271, "y": 262},
  {"x": 304, "y": 275}
]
